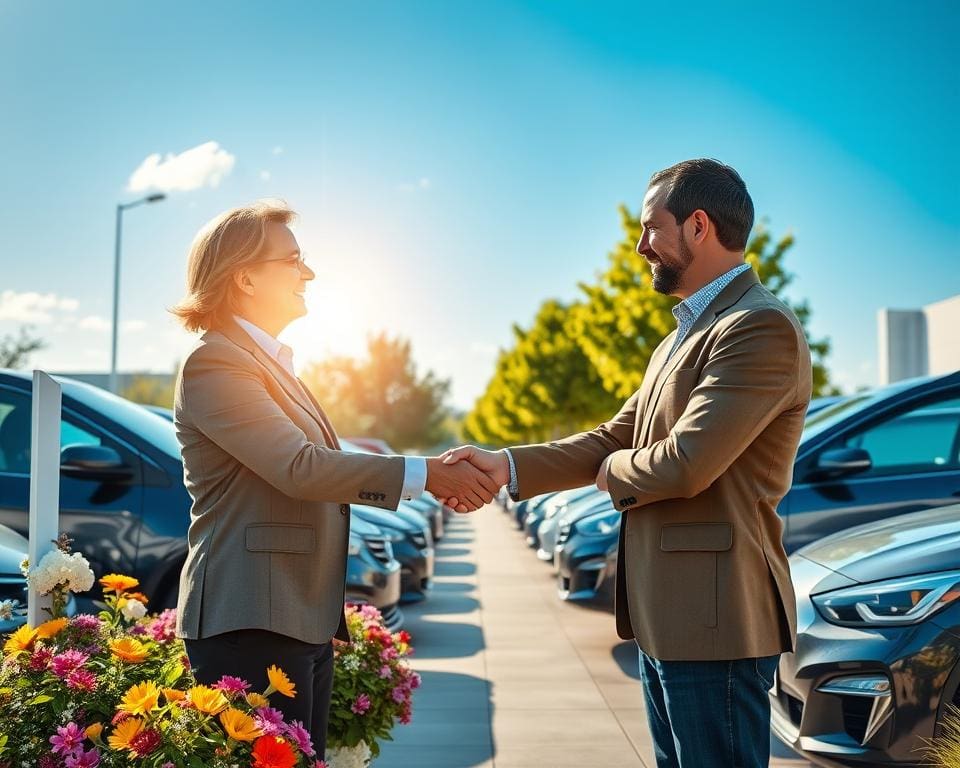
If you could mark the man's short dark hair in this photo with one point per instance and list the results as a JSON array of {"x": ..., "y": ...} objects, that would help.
[{"x": 713, "y": 187}]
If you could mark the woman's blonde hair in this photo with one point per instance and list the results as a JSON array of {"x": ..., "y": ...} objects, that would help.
[{"x": 230, "y": 241}]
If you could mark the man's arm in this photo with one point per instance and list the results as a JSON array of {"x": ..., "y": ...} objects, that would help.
[{"x": 751, "y": 377}]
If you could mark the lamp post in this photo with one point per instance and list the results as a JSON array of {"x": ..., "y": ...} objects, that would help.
[{"x": 121, "y": 207}]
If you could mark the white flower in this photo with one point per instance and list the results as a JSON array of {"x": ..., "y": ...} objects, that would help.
[
  {"x": 133, "y": 610},
  {"x": 25, "y": 566},
  {"x": 58, "y": 568},
  {"x": 6, "y": 609},
  {"x": 349, "y": 757}
]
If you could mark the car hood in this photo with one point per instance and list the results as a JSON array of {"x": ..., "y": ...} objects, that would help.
[
  {"x": 13, "y": 548},
  {"x": 383, "y": 518},
  {"x": 920, "y": 542}
]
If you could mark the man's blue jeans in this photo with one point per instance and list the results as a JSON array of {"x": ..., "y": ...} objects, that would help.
[{"x": 709, "y": 714}]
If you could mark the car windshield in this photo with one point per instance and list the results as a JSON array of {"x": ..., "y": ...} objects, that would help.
[
  {"x": 156, "y": 430},
  {"x": 824, "y": 419}
]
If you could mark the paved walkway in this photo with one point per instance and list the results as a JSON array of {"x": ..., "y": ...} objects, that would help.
[{"x": 512, "y": 676}]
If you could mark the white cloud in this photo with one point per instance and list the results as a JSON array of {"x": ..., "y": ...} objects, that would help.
[
  {"x": 277, "y": 150},
  {"x": 264, "y": 175},
  {"x": 202, "y": 166},
  {"x": 33, "y": 307},
  {"x": 94, "y": 323},
  {"x": 132, "y": 326}
]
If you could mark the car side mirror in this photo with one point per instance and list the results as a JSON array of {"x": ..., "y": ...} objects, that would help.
[
  {"x": 93, "y": 462},
  {"x": 841, "y": 462}
]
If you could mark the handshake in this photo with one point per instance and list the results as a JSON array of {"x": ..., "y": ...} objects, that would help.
[{"x": 466, "y": 478}]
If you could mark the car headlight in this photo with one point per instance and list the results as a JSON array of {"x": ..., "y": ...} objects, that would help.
[
  {"x": 392, "y": 534},
  {"x": 550, "y": 510},
  {"x": 599, "y": 525},
  {"x": 356, "y": 544},
  {"x": 892, "y": 603}
]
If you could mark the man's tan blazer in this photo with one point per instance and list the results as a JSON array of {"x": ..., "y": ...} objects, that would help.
[
  {"x": 270, "y": 520},
  {"x": 702, "y": 454}
]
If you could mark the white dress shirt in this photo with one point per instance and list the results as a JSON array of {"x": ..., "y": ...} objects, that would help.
[{"x": 415, "y": 467}]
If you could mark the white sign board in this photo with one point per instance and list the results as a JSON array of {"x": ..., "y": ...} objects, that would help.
[{"x": 44, "y": 483}]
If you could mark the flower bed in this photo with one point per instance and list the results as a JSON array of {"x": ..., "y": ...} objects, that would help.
[{"x": 116, "y": 690}]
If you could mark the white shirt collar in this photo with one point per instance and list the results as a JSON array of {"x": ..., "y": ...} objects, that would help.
[{"x": 265, "y": 341}]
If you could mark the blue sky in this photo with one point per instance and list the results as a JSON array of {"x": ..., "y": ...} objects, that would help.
[{"x": 456, "y": 163}]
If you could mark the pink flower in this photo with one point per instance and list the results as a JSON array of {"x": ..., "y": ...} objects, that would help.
[
  {"x": 399, "y": 694},
  {"x": 81, "y": 680},
  {"x": 231, "y": 685},
  {"x": 320, "y": 764},
  {"x": 415, "y": 680},
  {"x": 301, "y": 736},
  {"x": 64, "y": 663},
  {"x": 385, "y": 672},
  {"x": 163, "y": 628},
  {"x": 361, "y": 705},
  {"x": 389, "y": 653},
  {"x": 168, "y": 764},
  {"x": 81, "y": 759},
  {"x": 138, "y": 630},
  {"x": 67, "y": 739},
  {"x": 269, "y": 720},
  {"x": 84, "y": 622},
  {"x": 40, "y": 659},
  {"x": 405, "y": 715}
]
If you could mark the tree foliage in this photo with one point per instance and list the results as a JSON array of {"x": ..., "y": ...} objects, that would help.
[
  {"x": 16, "y": 350},
  {"x": 578, "y": 362},
  {"x": 382, "y": 395},
  {"x": 150, "y": 390}
]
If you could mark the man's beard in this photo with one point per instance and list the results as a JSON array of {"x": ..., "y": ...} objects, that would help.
[{"x": 667, "y": 277}]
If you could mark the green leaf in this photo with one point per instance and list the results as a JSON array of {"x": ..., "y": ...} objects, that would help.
[{"x": 41, "y": 699}]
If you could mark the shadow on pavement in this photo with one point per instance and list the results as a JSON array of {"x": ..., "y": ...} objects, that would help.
[
  {"x": 628, "y": 658},
  {"x": 456, "y": 568}
]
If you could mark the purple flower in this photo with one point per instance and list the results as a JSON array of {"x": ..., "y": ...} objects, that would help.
[
  {"x": 84, "y": 622},
  {"x": 163, "y": 628},
  {"x": 297, "y": 733},
  {"x": 389, "y": 653},
  {"x": 64, "y": 663},
  {"x": 399, "y": 694},
  {"x": 81, "y": 680},
  {"x": 138, "y": 630},
  {"x": 67, "y": 739},
  {"x": 385, "y": 671},
  {"x": 269, "y": 720},
  {"x": 361, "y": 705},
  {"x": 415, "y": 680},
  {"x": 231, "y": 685},
  {"x": 81, "y": 759}
]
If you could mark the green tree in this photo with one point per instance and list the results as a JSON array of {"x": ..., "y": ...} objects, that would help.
[
  {"x": 577, "y": 363},
  {"x": 150, "y": 390},
  {"x": 16, "y": 350},
  {"x": 382, "y": 395}
]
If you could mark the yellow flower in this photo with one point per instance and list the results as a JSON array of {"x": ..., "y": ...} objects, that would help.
[
  {"x": 93, "y": 732},
  {"x": 280, "y": 682},
  {"x": 129, "y": 649},
  {"x": 118, "y": 582},
  {"x": 140, "y": 699},
  {"x": 51, "y": 628},
  {"x": 207, "y": 700},
  {"x": 124, "y": 733},
  {"x": 239, "y": 726},
  {"x": 21, "y": 640},
  {"x": 256, "y": 700},
  {"x": 172, "y": 694}
]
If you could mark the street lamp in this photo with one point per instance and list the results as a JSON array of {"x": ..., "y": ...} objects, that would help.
[{"x": 121, "y": 207}]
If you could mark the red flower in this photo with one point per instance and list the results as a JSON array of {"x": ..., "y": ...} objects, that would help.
[
  {"x": 145, "y": 742},
  {"x": 404, "y": 636},
  {"x": 273, "y": 752},
  {"x": 119, "y": 718}
]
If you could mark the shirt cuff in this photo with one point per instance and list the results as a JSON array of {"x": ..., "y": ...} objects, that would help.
[
  {"x": 414, "y": 477},
  {"x": 513, "y": 487}
]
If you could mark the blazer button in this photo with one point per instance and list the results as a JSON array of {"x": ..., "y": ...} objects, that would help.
[{"x": 344, "y": 509}]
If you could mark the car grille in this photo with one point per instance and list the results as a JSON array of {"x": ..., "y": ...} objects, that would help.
[
  {"x": 793, "y": 706},
  {"x": 392, "y": 617},
  {"x": 564, "y": 535},
  {"x": 419, "y": 540},
  {"x": 856, "y": 714},
  {"x": 380, "y": 549}
]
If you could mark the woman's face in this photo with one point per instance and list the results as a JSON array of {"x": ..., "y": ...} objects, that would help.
[{"x": 279, "y": 278}]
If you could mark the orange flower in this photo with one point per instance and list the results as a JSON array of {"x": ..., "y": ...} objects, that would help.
[
  {"x": 273, "y": 752},
  {"x": 51, "y": 628},
  {"x": 129, "y": 649},
  {"x": 140, "y": 699},
  {"x": 124, "y": 733},
  {"x": 93, "y": 732},
  {"x": 256, "y": 700},
  {"x": 21, "y": 640},
  {"x": 239, "y": 726},
  {"x": 280, "y": 682},
  {"x": 207, "y": 700},
  {"x": 138, "y": 596},
  {"x": 118, "y": 582},
  {"x": 172, "y": 694}
]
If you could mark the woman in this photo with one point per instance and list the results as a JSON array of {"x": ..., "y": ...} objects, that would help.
[{"x": 263, "y": 581}]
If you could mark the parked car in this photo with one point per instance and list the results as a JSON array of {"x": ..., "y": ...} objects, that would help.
[
  {"x": 122, "y": 497},
  {"x": 412, "y": 546},
  {"x": 373, "y": 573},
  {"x": 160, "y": 410},
  {"x": 587, "y": 556},
  {"x": 878, "y": 648},
  {"x": 540, "y": 513},
  {"x": 552, "y": 529},
  {"x": 819, "y": 403}
]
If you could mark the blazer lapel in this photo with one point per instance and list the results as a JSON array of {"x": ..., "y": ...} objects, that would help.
[
  {"x": 724, "y": 300},
  {"x": 290, "y": 384}
]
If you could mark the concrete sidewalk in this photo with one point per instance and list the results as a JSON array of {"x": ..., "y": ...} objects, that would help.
[{"x": 512, "y": 676}]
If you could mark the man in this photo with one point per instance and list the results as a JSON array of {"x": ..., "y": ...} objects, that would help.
[{"x": 697, "y": 460}]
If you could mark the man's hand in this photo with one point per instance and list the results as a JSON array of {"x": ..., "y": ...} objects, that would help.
[
  {"x": 493, "y": 463},
  {"x": 602, "y": 474},
  {"x": 461, "y": 485}
]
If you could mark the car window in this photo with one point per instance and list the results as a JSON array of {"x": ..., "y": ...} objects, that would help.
[
  {"x": 16, "y": 419},
  {"x": 924, "y": 439}
]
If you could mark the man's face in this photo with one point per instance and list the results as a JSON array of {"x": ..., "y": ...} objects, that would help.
[
  {"x": 662, "y": 244},
  {"x": 278, "y": 277}
]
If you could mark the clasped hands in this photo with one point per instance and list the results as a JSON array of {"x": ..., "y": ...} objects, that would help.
[{"x": 468, "y": 477}]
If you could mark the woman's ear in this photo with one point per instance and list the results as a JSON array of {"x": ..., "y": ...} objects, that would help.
[{"x": 241, "y": 279}]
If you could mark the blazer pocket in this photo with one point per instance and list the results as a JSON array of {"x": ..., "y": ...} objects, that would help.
[
  {"x": 696, "y": 537},
  {"x": 299, "y": 539}
]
